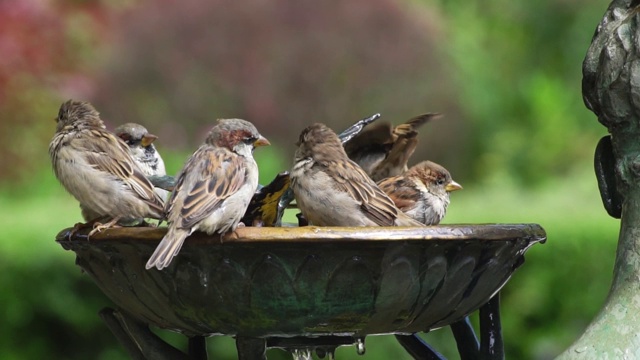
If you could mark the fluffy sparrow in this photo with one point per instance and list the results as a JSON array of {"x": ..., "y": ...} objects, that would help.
[
  {"x": 383, "y": 151},
  {"x": 214, "y": 187},
  {"x": 288, "y": 196},
  {"x": 140, "y": 143},
  {"x": 421, "y": 192},
  {"x": 95, "y": 166},
  {"x": 332, "y": 190}
]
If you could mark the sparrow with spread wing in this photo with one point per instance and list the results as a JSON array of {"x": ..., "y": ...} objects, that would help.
[{"x": 332, "y": 190}]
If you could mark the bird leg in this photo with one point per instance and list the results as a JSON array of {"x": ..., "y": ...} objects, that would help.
[
  {"x": 98, "y": 227},
  {"x": 79, "y": 226}
]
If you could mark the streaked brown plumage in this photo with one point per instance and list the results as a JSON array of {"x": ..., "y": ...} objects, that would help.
[
  {"x": 213, "y": 189},
  {"x": 382, "y": 150},
  {"x": 332, "y": 190},
  {"x": 96, "y": 168},
  {"x": 421, "y": 192}
]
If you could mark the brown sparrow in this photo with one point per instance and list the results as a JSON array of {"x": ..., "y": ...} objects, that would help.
[
  {"x": 421, "y": 192},
  {"x": 140, "y": 143},
  {"x": 141, "y": 147},
  {"x": 95, "y": 166},
  {"x": 332, "y": 190},
  {"x": 383, "y": 151},
  {"x": 214, "y": 187}
]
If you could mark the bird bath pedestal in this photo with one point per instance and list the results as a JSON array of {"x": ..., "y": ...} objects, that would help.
[{"x": 307, "y": 288}]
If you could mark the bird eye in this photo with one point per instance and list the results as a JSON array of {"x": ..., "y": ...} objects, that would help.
[
  {"x": 440, "y": 181},
  {"x": 250, "y": 140}
]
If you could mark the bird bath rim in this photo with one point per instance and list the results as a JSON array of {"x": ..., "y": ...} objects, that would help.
[{"x": 454, "y": 232}]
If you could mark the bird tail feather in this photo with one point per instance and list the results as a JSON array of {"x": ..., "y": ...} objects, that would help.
[{"x": 168, "y": 248}]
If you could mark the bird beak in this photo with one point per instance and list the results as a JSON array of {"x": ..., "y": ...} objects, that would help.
[
  {"x": 453, "y": 186},
  {"x": 148, "y": 139},
  {"x": 262, "y": 141}
]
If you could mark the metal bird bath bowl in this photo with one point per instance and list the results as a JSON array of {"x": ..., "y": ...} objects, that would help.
[{"x": 306, "y": 281}]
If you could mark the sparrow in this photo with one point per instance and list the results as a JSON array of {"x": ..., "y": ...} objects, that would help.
[
  {"x": 332, "y": 190},
  {"x": 383, "y": 151},
  {"x": 422, "y": 192},
  {"x": 213, "y": 189},
  {"x": 263, "y": 210},
  {"x": 288, "y": 196},
  {"x": 141, "y": 147},
  {"x": 140, "y": 143},
  {"x": 95, "y": 166}
]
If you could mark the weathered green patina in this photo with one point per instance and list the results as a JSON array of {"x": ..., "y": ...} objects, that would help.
[
  {"x": 307, "y": 281},
  {"x": 611, "y": 89}
]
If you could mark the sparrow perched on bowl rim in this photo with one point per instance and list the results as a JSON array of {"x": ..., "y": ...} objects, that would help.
[
  {"x": 332, "y": 190},
  {"x": 95, "y": 166},
  {"x": 421, "y": 192},
  {"x": 143, "y": 151},
  {"x": 214, "y": 187},
  {"x": 382, "y": 150}
]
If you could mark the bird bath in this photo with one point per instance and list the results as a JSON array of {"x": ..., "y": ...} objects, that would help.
[{"x": 305, "y": 287}]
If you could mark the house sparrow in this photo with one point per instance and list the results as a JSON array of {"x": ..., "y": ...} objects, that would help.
[
  {"x": 96, "y": 168},
  {"x": 142, "y": 149},
  {"x": 140, "y": 143},
  {"x": 421, "y": 192},
  {"x": 332, "y": 190},
  {"x": 383, "y": 151},
  {"x": 214, "y": 187},
  {"x": 353, "y": 130}
]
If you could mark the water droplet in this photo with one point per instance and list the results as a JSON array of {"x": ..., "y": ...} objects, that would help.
[{"x": 360, "y": 346}]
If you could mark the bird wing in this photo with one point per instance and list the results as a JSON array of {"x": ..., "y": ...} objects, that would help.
[
  {"x": 213, "y": 175},
  {"x": 401, "y": 190},
  {"x": 370, "y": 146},
  {"x": 405, "y": 141},
  {"x": 410, "y": 127},
  {"x": 111, "y": 155},
  {"x": 376, "y": 205}
]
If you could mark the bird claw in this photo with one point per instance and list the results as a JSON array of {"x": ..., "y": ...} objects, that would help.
[
  {"x": 75, "y": 229},
  {"x": 98, "y": 227},
  {"x": 79, "y": 226}
]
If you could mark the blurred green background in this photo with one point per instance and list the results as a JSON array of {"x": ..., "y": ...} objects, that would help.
[{"x": 506, "y": 74}]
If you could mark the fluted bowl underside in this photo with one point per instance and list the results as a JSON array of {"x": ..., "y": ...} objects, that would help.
[{"x": 306, "y": 281}]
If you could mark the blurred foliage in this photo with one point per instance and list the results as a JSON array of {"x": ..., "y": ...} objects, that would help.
[
  {"x": 44, "y": 47},
  {"x": 517, "y": 66},
  {"x": 281, "y": 66},
  {"x": 505, "y": 73}
]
